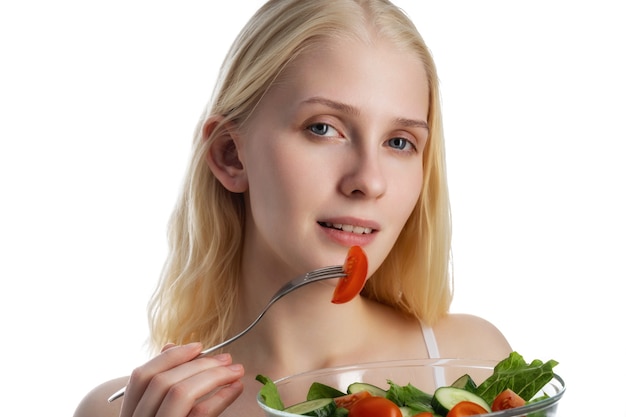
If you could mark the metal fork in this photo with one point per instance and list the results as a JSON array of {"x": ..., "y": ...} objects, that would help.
[{"x": 299, "y": 281}]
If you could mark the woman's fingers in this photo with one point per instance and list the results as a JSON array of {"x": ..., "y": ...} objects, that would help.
[
  {"x": 167, "y": 346},
  {"x": 205, "y": 393},
  {"x": 183, "y": 384},
  {"x": 218, "y": 402},
  {"x": 172, "y": 384},
  {"x": 141, "y": 376}
]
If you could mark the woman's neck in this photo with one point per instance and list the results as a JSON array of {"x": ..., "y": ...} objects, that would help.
[
  {"x": 299, "y": 322},
  {"x": 305, "y": 331}
]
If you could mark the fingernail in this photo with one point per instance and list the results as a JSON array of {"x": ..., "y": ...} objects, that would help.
[
  {"x": 222, "y": 357},
  {"x": 235, "y": 367}
]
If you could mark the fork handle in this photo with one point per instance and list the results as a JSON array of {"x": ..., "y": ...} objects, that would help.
[{"x": 323, "y": 273}]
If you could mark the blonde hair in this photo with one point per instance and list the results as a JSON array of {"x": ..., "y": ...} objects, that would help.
[{"x": 197, "y": 292}]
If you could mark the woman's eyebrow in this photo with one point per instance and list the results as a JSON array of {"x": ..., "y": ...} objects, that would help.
[
  {"x": 412, "y": 123},
  {"x": 349, "y": 109},
  {"x": 343, "y": 107}
]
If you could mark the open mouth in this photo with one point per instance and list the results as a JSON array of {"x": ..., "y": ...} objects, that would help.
[{"x": 359, "y": 230}]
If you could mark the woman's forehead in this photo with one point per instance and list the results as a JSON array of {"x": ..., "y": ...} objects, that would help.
[
  {"x": 346, "y": 58},
  {"x": 372, "y": 78}
]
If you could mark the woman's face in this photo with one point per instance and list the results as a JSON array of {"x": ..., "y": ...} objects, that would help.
[{"x": 333, "y": 156}]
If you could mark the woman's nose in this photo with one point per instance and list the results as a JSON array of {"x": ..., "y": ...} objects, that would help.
[{"x": 364, "y": 176}]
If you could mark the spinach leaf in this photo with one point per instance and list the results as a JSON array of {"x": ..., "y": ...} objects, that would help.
[
  {"x": 514, "y": 373},
  {"x": 319, "y": 390},
  {"x": 269, "y": 393}
]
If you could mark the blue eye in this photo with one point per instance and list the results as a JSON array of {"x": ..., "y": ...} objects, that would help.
[
  {"x": 323, "y": 129},
  {"x": 319, "y": 128},
  {"x": 399, "y": 143}
]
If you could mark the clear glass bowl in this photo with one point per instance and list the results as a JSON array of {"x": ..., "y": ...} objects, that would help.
[{"x": 421, "y": 373}]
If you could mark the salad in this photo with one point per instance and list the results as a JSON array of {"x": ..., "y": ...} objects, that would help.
[{"x": 513, "y": 383}]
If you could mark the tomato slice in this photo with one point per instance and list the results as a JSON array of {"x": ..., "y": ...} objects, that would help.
[
  {"x": 375, "y": 407},
  {"x": 355, "y": 266},
  {"x": 424, "y": 414},
  {"x": 348, "y": 400},
  {"x": 466, "y": 408},
  {"x": 507, "y": 399}
]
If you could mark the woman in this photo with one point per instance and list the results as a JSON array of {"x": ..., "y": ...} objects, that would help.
[{"x": 324, "y": 132}]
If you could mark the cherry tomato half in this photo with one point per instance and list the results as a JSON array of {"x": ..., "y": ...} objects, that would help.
[
  {"x": 375, "y": 407},
  {"x": 355, "y": 266},
  {"x": 424, "y": 414},
  {"x": 507, "y": 399},
  {"x": 348, "y": 400},
  {"x": 466, "y": 408}
]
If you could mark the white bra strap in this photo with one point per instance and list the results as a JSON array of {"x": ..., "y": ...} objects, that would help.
[
  {"x": 433, "y": 353},
  {"x": 431, "y": 342}
]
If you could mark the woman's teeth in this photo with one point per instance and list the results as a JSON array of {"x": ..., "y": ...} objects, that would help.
[{"x": 349, "y": 228}]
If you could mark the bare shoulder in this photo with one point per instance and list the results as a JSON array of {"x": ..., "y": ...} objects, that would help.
[
  {"x": 468, "y": 336},
  {"x": 96, "y": 404}
]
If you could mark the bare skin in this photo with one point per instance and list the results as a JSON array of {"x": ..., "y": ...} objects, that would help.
[
  {"x": 368, "y": 135},
  {"x": 480, "y": 340}
]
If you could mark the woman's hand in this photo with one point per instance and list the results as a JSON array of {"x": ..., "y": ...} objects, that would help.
[{"x": 172, "y": 384}]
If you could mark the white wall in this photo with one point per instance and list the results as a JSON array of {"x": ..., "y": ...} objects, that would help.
[{"x": 98, "y": 101}]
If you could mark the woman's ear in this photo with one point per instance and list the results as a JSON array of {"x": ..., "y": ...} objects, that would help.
[{"x": 223, "y": 154}]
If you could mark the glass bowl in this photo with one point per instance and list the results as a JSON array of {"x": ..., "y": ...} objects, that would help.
[{"x": 425, "y": 374}]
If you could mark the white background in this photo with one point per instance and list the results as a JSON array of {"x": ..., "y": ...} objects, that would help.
[{"x": 98, "y": 102}]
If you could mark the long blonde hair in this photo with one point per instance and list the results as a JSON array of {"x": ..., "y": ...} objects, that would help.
[{"x": 197, "y": 292}]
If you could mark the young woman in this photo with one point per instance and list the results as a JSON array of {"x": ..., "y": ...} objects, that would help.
[{"x": 324, "y": 132}]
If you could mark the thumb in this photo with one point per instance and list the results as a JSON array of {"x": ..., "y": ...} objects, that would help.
[{"x": 167, "y": 346}]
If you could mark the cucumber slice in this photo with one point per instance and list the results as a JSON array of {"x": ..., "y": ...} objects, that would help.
[
  {"x": 362, "y": 386},
  {"x": 447, "y": 397},
  {"x": 465, "y": 382},
  {"x": 407, "y": 412},
  {"x": 323, "y": 407}
]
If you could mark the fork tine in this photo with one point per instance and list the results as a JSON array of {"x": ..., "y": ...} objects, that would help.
[
  {"x": 319, "y": 274},
  {"x": 326, "y": 270}
]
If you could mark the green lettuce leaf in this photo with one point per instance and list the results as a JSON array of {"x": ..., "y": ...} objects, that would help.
[
  {"x": 526, "y": 379},
  {"x": 319, "y": 390},
  {"x": 409, "y": 396},
  {"x": 269, "y": 393}
]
